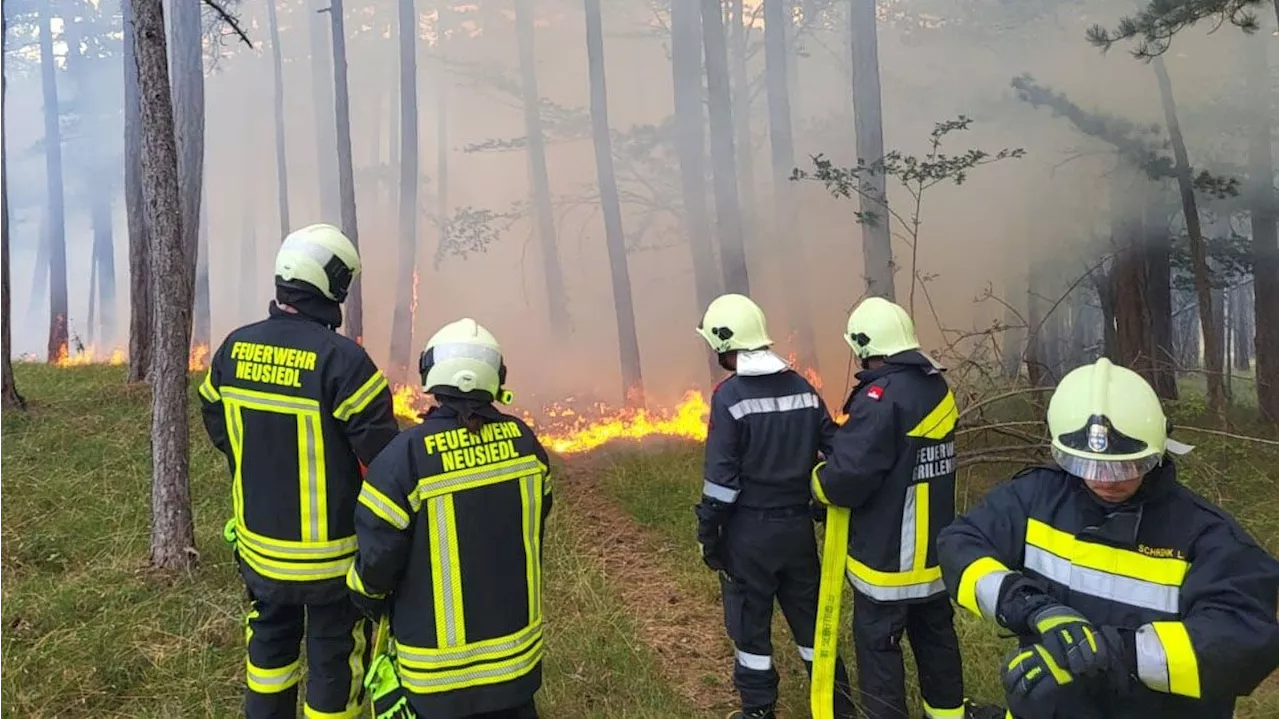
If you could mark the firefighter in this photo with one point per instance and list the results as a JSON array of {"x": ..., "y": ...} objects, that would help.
[
  {"x": 1132, "y": 595},
  {"x": 450, "y": 521},
  {"x": 892, "y": 464},
  {"x": 298, "y": 409},
  {"x": 755, "y": 525}
]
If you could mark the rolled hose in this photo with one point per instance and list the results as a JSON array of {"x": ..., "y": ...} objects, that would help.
[
  {"x": 826, "y": 636},
  {"x": 229, "y": 531}
]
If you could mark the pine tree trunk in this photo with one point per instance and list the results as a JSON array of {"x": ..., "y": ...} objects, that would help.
[
  {"x": 868, "y": 128},
  {"x": 277, "y": 67},
  {"x": 686, "y": 68},
  {"x": 1107, "y": 304},
  {"x": 346, "y": 176},
  {"x": 1199, "y": 265},
  {"x": 172, "y": 531},
  {"x": 140, "y": 309},
  {"x": 442, "y": 126},
  {"x": 628, "y": 342},
  {"x": 1013, "y": 340},
  {"x": 557, "y": 309},
  {"x": 401, "y": 357},
  {"x": 1264, "y": 213},
  {"x": 1133, "y": 319},
  {"x": 1160, "y": 305},
  {"x": 1034, "y": 356},
  {"x": 10, "y": 398},
  {"x": 742, "y": 129},
  {"x": 91, "y": 317},
  {"x": 776, "y": 57},
  {"x": 1241, "y": 326},
  {"x": 104, "y": 262},
  {"x": 322, "y": 74},
  {"x": 187, "y": 76},
  {"x": 39, "y": 275},
  {"x": 733, "y": 257},
  {"x": 53, "y": 182},
  {"x": 202, "y": 318}
]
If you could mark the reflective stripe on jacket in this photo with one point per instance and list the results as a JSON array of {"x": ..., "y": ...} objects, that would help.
[{"x": 1172, "y": 571}]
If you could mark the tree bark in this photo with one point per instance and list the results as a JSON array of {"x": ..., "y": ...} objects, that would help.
[
  {"x": 346, "y": 176},
  {"x": 442, "y": 124},
  {"x": 172, "y": 531},
  {"x": 202, "y": 319},
  {"x": 140, "y": 309},
  {"x": 187, "y": 77},
  {"x": 742, "y": 129},
  {"x": 686, "y": 69},
  {"x": 282, "y": 167},
  {"x": 1133, "y": 319},
  {"x": 557, "y": 309},
  {"x": 10, "y": 398},
  {"x": 868, "y": 128},
  {"x": 628, "y": 342},
  {"x": 1199, "y": 265},
  {"x": 733, "y": 257},
  {"x": 1241, "y": 325},
  {"x": 104, "y": 263},
  {"x": 1264, "y": 213},
  {"x": 401, "y": 357},
  {"x": 322, "y": 74},
  {"x": 1160, "y": 305},
  {"x": 782, "y": 152},
  {"x": 56, "y": 228}
]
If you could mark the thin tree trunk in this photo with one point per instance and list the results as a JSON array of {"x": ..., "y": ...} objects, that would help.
[
  {"x": 1199, "y": 265},
  {"x": 140, "y": 309},
  {"x": 322, "y": 79},
  {"x": 91, "y": 317},
  {"x": 10, "y": 398},
  {"x": 282, "y": 167},
  {"x": 1160, "y": 304},
  {"x": 401, "y": 358},
  {"x": 1133, "y": 321},
  {"x": 1241, "y": 324},
  {"x": 346, "y": 176},
  {"x": 39, "y": 274},
  {"x": 742, "y": 129},
  {"x": 628, "y": 342},
  {"x": 442, "y": 125},
  {"x": 868, "y": 128},
  {"x": 733, "y": 257},
  {"x": 1264, "y": 213},
  {"x": 104, "y": 262},
  {"x": 1107, "y": 303},
  {"x": 783, "y": 155},
  {"x": 172, "y": 531},
  {"x": 202, "y": 325},
  {"x": 187, "y": 76},
  {"x": 53, "y": 182},
  {"x": 686, "y": 68},
  {"x": 557, "y": 309},
  {"x": 1220, "y": 310}
]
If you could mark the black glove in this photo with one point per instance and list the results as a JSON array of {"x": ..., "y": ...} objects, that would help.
[
  {"x": 817, "y": 511},
  {"x": 711, "y": 516},
  {"x": 1020, "y": 598},
  {"x": 1073, "y": 642},
  {"x": 711, "y": 557},
  {"x": 368, "y": 606},
  {"x": 1032, "y": 681}
]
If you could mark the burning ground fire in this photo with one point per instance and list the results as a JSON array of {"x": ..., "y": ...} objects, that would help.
[{"x": 89, "y": 354}]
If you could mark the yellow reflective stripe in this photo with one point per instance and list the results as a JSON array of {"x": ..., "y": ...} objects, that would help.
[
  {"x": 311, "y": 477},
  {"x": 207, "y": 390},
  {"x": 937, "y": 713},
  {"x": 361, "y": 398},
  {"x": 356, "y": 584},
  {"x": 471, "y": 675},
  {"x": 940, "y": 420},
  {"x": 1123, "y": 562},
  {"x": 530, "y": 501},
  {"x": 271, "y": 681},
  {"x": 913, "y": 539},
  {"x": 1180, "y": 657},
  {"x": 1059, "y": 674},
  {"x": 461, "y": 479},
  {"x": 488, "y": 650},
  {"x": 235, "y": 434},
  {"x": 292, "y": 549},
  {"x": 815, "y": 486},
  {"x": 446, "y": 574},
  {"x": 295, "y": 571},
  {"x": 269, "y": 401},
  {"x": 382, "y": 505},
  {"x": 348, "y": 713},
  {"x": 355, "y": 662},
  {"x": 546, "y": 478},
  {"x": 967, "y": 594},
  {"x": 835, "y": 544},
  {"x": 893, "y": 579}
]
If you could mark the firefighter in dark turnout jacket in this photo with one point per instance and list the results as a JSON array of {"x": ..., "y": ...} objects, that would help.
[
  {"x": 450, "y": 522},
  {"x": 893, "y": 464},
  {"x": 297, "y": 408},
  {"x": 1133, "y": 596},
  {"x": 755, "y": 526}
]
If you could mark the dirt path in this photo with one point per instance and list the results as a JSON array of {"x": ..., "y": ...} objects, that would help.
[{"x": 686, "y": 632}]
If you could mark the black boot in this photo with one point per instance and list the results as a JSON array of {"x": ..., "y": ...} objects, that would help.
[
  {"x": 757, "y": 713},
  {"x": 983, "y": 711}
]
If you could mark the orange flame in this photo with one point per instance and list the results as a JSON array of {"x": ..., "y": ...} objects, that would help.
[
  {"x": 197, "y": 360},
  {"x": 413, "y": 304}
]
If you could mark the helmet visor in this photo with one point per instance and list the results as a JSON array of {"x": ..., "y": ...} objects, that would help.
[{"x": 1105, "y": 470}]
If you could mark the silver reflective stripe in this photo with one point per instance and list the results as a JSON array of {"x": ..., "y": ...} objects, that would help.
[
  {"x": 298, "y": 404},
  {"x": 1104, "y": 585},
  {"x": 464, "y": 350},
  {"x": 907, "y": 538},
  {"x": 757, "y": 662},
  {"x": 264, "y": 545},
  {"x": 764, "y": 405},
  {"x": 273, "y": 680},
  {"x": 313, "y": 479},
  {"x": 897, "y": 594},
  {"x": 720, "y": 492},
  {"x": 532, "y": 496},
  {"x": 506, "y": 646},
  {"x": 806, "y": 653},
  {"x": 441, "y": 545},
  {"x": 987, "y": 591},
  {"x": 304, "y": 571},
  {"x": 398, "y": 517},
  {"x": 451, "y": 678},
  {"x": 515, "y": 469},
  {"x": 1153, "y": 665}
]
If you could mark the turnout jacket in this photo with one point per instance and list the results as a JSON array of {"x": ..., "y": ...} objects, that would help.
[
  {"x": 297, "y": 409},
  {"x": 1191, "y": 593},
  {"x": 766, "y": 428},
  {"x": 450, "y": 526},
  {"x": 893, "y": 464}
]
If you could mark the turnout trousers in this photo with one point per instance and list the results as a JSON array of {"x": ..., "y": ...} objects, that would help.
[
  {"x": 772, "y": 554},
  {"x": 877, "y": 637},
  {"x": 338, "y": 647}
]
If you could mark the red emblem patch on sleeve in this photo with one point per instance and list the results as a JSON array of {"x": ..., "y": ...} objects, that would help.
[{"x": 875, "y": 393}]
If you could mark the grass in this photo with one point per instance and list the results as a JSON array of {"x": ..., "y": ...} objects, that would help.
[{"x": 90, "y": 632}]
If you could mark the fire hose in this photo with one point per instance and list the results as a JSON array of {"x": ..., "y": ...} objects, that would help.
[{"x": 822, "y": 686}]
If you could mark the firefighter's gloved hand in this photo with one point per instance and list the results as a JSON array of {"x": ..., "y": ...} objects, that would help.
[
  {"x": 1073, "y": 642},
  {"x": 712, "y": 557},
  {"x": 370, "y": 607},
  {"x": 1021, "y": 598},
  {"x": 1032, "y": 681},
  {"x": 711, "y": 517},
  {"x": 817, "y": 511}
]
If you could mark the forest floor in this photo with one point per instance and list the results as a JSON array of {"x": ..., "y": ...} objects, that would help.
[{"x": 635, "y": 627}]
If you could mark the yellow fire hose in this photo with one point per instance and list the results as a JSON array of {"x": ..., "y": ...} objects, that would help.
[{"x": 822, "y": 686}]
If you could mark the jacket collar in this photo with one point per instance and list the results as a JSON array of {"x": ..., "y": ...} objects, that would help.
[{"x": 755, "y": 363}]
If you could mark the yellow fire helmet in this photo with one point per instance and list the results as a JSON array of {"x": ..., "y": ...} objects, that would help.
[
  {"x": 734, "y": 322},
  {"x": 320, "y": 256},
  {"x": 1107, "y": 424},
  {"x": 880, "y": 328},
  {"x": 465, "y": 356}
]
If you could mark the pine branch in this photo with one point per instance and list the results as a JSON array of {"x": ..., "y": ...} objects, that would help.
[
  {"x": 1160, "y": 20},
  {"x": 230, "y": 20}
]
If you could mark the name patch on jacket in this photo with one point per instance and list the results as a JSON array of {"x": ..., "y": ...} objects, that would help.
[
  {"x": 935, "y": 461},
  {"x": 460, "y": 449},
  {"x": 271, "y": 364}
]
